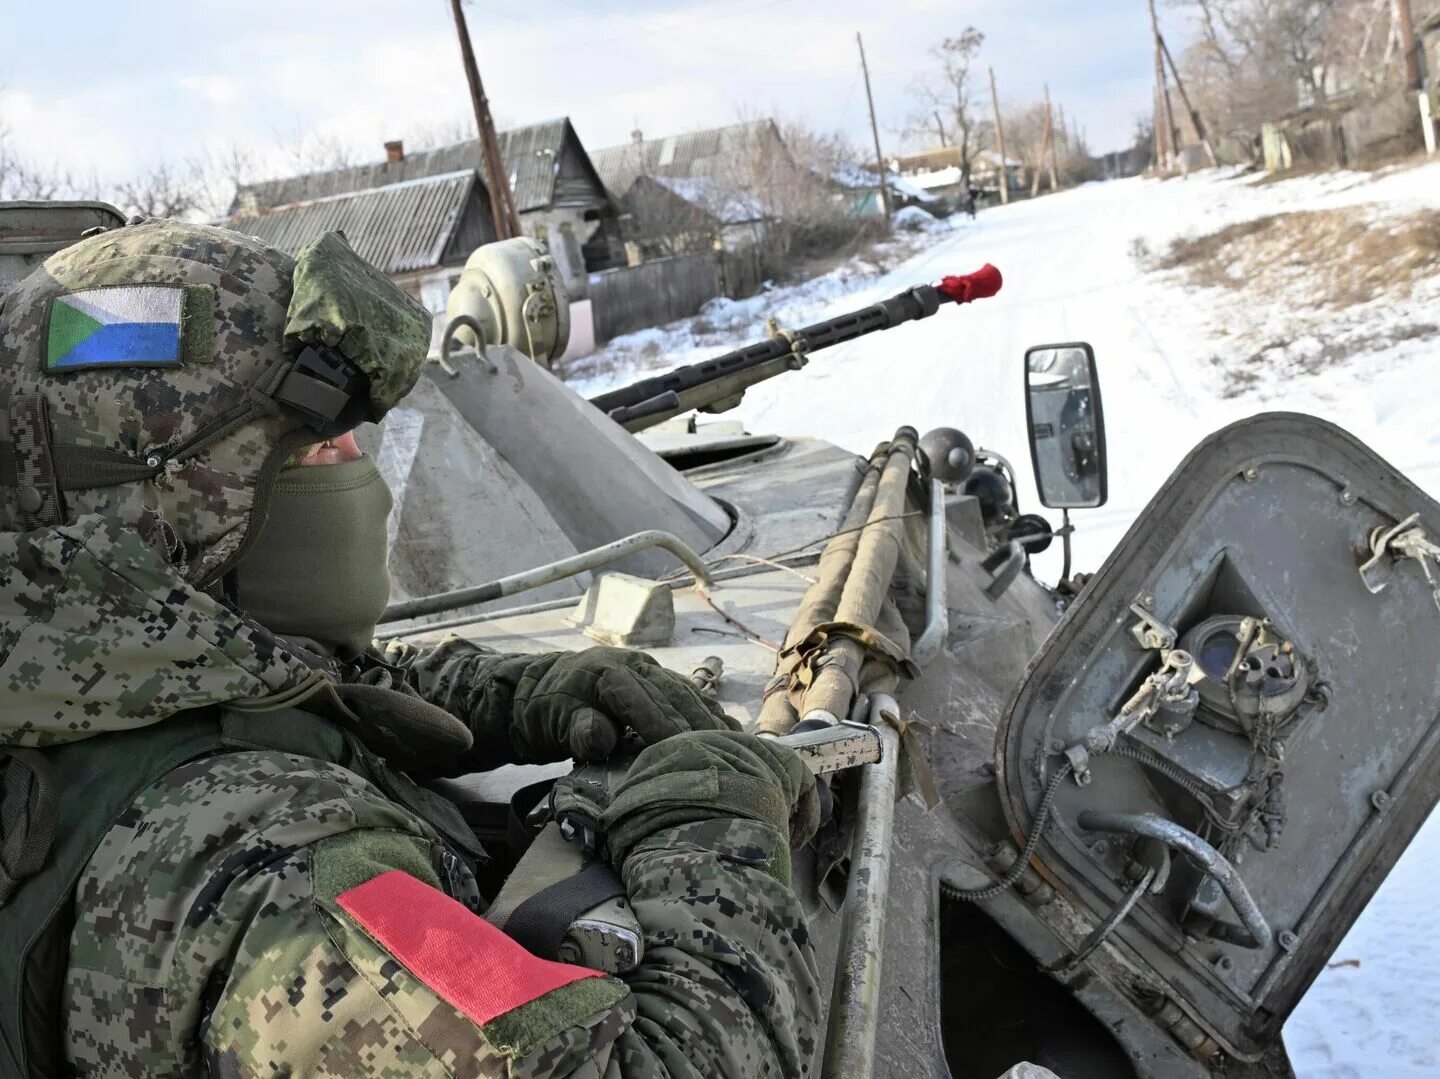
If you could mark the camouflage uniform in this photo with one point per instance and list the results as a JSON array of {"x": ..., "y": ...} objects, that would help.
[{"x": 224, "y": 917}]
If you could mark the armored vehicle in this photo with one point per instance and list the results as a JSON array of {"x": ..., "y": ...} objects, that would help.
[{"x": 1112, "y": 827}]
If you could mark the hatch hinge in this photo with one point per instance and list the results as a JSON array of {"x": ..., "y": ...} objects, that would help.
[{"x": 1406, "y": 539}]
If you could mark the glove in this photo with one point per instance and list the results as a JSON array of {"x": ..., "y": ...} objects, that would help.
[
  {"x": 578, "y": 704},
  {"x": 708, "y": 775}
]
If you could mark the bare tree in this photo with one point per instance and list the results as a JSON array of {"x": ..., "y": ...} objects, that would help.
[
  {"x": 163, "y": 190},
  {"x": 219, "y": 172},
  {"x": 1256, "y": 60},
  {"x": 944, "y": 98},
  {"x": 313, "y": 151}
]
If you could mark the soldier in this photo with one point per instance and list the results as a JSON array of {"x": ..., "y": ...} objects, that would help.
[{"x": 217, "y": 856}]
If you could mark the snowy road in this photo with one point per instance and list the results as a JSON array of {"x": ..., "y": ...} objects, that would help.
[{"x": 1070, "y": 275}]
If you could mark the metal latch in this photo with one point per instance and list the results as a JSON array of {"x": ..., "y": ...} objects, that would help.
[
  {"x": 1150, "y": 632},
  {"x": 1404, "y": 540}
]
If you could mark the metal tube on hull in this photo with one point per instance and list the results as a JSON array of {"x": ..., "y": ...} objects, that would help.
[
  {"x": 837, "y": 676},
  {"x": 929, "y": 643},
  {"x": 855, "y": 999},
  {"x": 777, "y": 714},
  {"x": 553, "y": 571}
]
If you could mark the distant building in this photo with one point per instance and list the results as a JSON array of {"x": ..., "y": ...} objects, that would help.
[
  {"x": 748, "y": 154},
  {"x": 941, "y": 171},
  {"x": 419, "y": 216},
  {"x": 860, "y": 188},
  {"x": 697, "y": 190},
  {"x": 986, "y": 173},
  {"x": 671, "y": 215}
]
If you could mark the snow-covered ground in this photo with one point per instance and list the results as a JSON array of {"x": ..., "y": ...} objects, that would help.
[{"x": 1176, "y": 362}]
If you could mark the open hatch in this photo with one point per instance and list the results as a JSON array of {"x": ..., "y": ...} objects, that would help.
[{"x": 1236, "y": 723}]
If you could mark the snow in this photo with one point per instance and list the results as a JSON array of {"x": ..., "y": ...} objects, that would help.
[
  {"x": 914, "y": 219},
  {"x": 859, "y": 178},
  {"x": 1076, "y": 268},
  {"x": 727, "y": 203}
]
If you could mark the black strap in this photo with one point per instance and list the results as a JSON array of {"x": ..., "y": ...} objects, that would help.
[
  {"x": 520, "y": 831},
  {"x": 539, "y": 922},
  {"x": 28, "y": 813}
]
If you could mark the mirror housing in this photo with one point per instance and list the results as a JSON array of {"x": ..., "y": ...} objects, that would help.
[{"x": 1066, "y": 425}]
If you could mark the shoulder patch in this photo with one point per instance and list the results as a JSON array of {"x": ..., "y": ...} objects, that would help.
[
  {"x": 464, "y": 959},
  {"x": 118, "y": 326}
]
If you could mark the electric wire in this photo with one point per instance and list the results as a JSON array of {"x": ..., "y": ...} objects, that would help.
[{"x": 1016, "y": 871}]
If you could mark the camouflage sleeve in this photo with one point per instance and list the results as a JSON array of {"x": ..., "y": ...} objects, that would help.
[
  {"x": 701, "y": 831},
  {"x": 212, "y": 934},
  {"x": 209, "y": 940}
]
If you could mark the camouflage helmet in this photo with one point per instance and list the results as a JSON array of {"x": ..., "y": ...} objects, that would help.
[{"x": 162, "y": 373}]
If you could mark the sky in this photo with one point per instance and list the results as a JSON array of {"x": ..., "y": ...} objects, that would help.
[{"x": 115, "y": 88}]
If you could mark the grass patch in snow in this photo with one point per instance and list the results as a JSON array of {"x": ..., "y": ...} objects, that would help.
[
  {"x": 1316, "y": 258},
  {"x": 1313, "y": 290}
]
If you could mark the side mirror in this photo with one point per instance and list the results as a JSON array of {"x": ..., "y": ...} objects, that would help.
[{"x": 1067, "y": 426}]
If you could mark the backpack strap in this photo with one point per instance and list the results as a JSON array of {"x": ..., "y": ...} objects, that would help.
[
  {"x": 37, "y": 493},
  {"x": 55, "y": 836},
  {"x": 28, "y": 815}
]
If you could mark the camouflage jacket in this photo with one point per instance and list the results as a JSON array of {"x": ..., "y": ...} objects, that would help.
[{"x": 267, "y": 911}]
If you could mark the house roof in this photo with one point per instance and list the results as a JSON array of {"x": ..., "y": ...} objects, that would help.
[
  {"x": 530, "y": 154},
  {"x": 696, "y": 153},
  {"x": 399, "y": 227},
  {"x": 991, "y": 158},
  {"x": 725, "y": 202},
  {"x": 858, "y": 178}
]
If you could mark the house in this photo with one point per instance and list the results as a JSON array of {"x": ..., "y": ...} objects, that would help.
[
  {"x": 941, "y": 171},
  {"x": 859, "y": 187},
  {"x": 419, "y": 216},
  {"x": 1428, "y": 36},
  {"x": 985, "y": 173},
  {"x": 419, "y": 232},
  {"x": 697, "y": 190},
  {"x": 749, "y": 154},
  {"x": 671, "y": 215}
]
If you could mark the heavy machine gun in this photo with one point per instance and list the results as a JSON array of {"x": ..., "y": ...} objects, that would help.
[{"x": 718, "y": 385}]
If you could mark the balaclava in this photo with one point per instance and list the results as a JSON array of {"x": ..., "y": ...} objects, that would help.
[{"x": 317, "y": 571}]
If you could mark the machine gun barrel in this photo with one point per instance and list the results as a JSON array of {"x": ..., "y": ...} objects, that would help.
[{"x": 718, "y": 384}]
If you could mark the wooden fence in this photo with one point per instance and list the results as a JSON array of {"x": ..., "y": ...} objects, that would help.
[{"x": 663, "y": 290}]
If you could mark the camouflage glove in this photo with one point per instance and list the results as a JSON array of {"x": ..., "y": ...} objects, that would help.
[
  {"x": 578, "y": 704},
  {"x": 710, "y": 775}
]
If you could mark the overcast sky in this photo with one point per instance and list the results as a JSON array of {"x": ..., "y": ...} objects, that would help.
[{"x": 113, "y": 87}]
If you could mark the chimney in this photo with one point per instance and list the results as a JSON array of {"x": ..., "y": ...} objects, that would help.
[
  {"x": 637, "y": 136},
  {"x": 394, "y": 152}
]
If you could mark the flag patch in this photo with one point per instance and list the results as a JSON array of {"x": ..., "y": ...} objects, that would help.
[{"x": 123, "y": 326}]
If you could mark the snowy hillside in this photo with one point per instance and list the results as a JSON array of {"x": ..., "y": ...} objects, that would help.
[{"x": 1322, "y": 296}]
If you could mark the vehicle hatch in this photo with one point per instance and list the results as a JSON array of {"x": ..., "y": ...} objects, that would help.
[{"x": 1305, "y": 721}]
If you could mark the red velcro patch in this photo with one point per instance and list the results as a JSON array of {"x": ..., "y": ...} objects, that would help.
[{"x": 466, "y": 960}]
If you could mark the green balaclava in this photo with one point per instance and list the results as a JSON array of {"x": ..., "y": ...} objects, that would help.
[{"x": 317, "y": 569}]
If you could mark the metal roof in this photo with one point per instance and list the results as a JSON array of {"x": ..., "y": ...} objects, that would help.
[
  {"x": 399, "y": 227},
  {"x": 530, "y": 154},
  {"x": 727, "y": 203},
  {"x": 698, "y": 153}
]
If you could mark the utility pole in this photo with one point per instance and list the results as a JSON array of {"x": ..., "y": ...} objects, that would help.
[
  {"x": 1407, "y": 44},
  {"x": 1162, "y": 88},
  {"x": 1050, "y": 138},
  {"x": 1194, "y": 113},
  {"x": 875, "y": 131},
  {"x": 1000, "y": 138},
  {"x": 502, "y": 203}
]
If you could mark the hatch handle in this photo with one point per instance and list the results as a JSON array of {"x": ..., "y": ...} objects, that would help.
[
  {"x": 1004, "y": 565},
  {"x": 1256, "y": 932}
]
